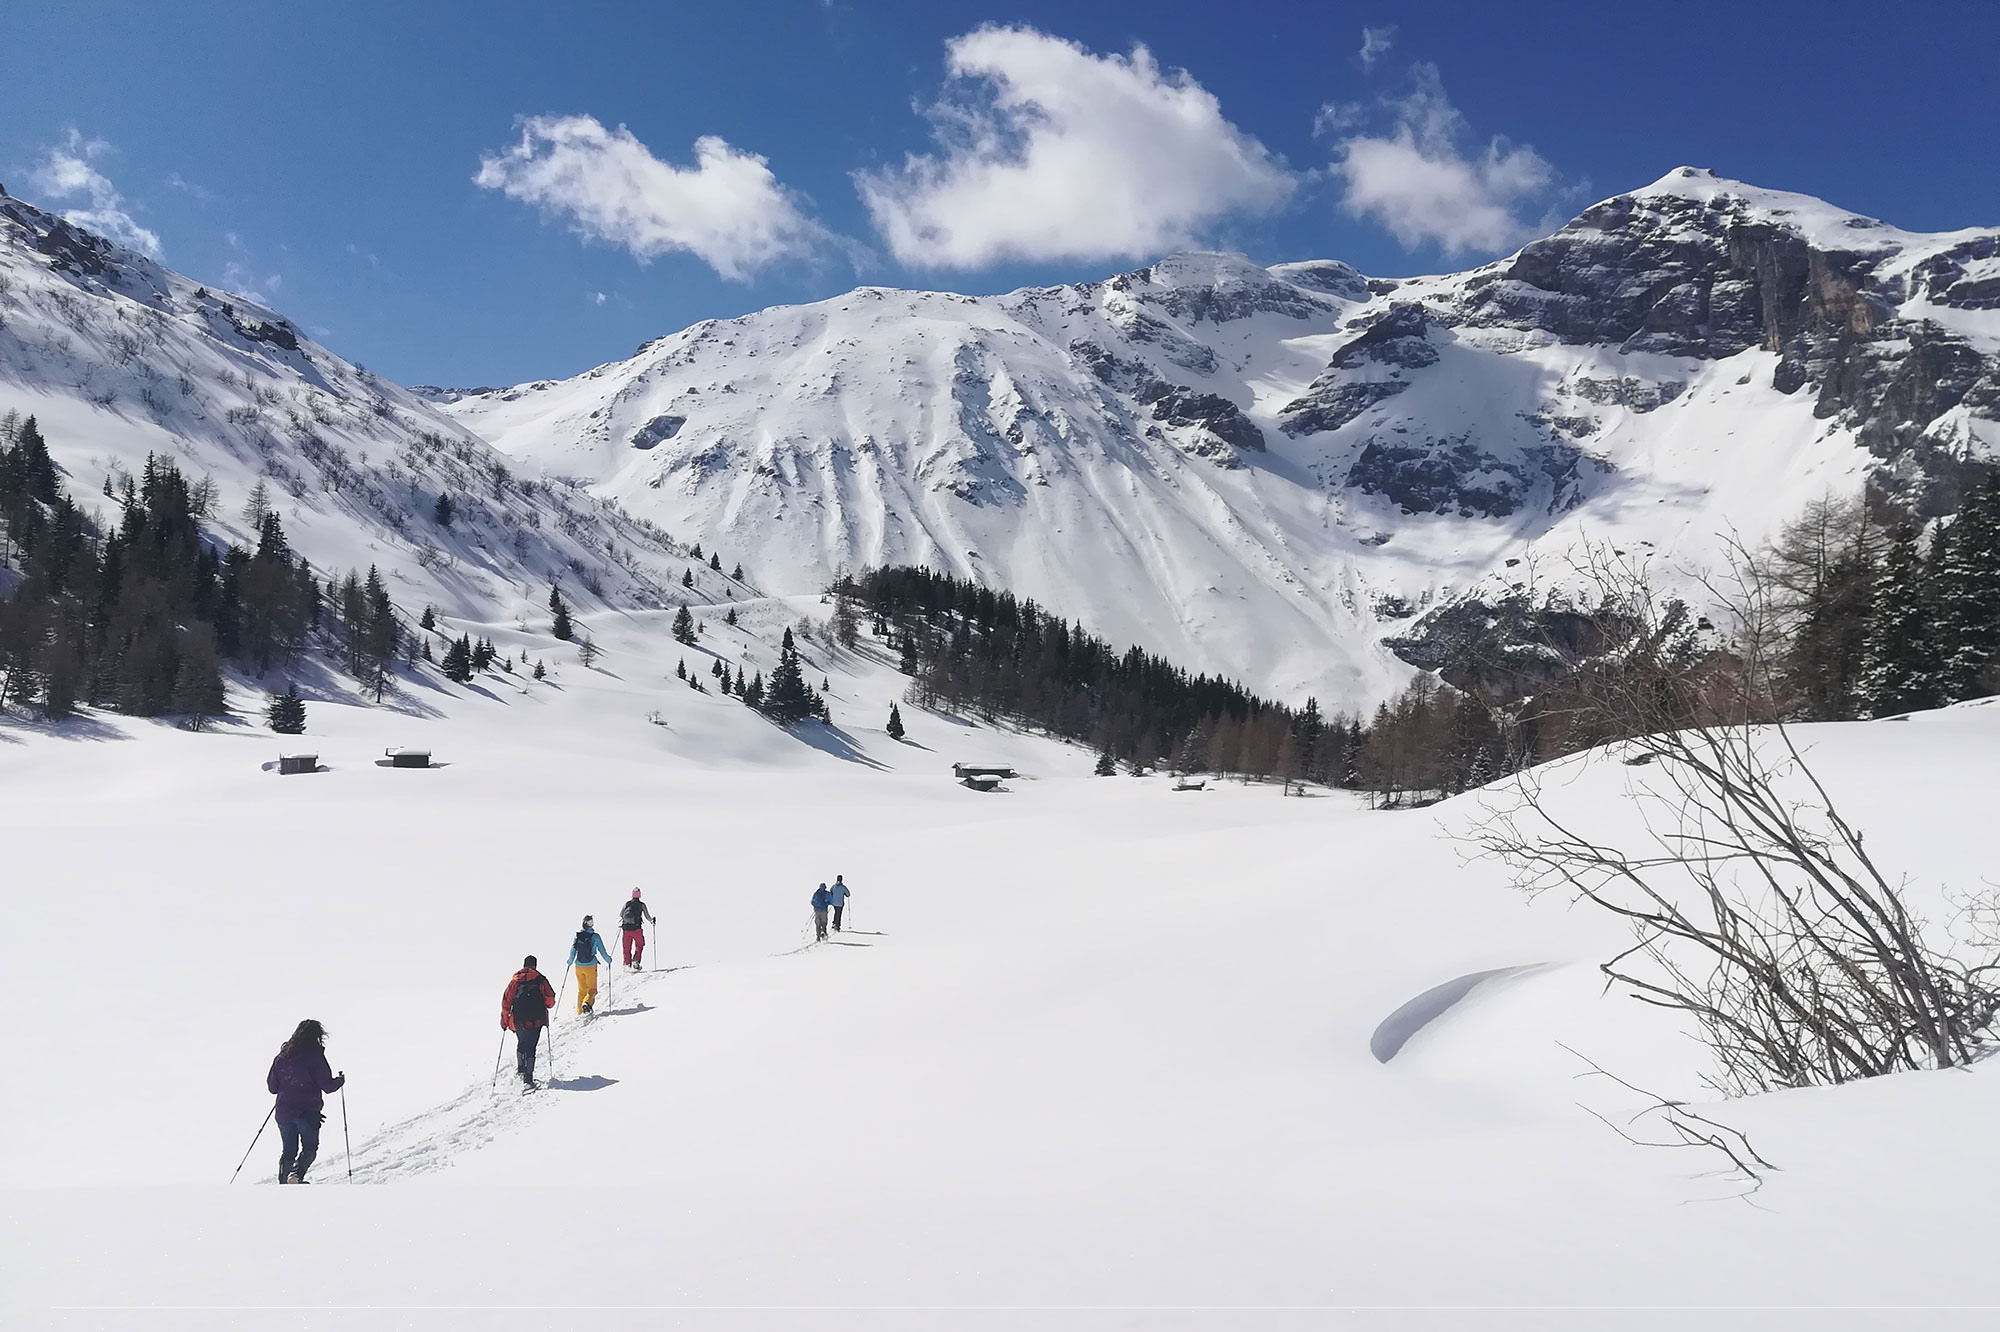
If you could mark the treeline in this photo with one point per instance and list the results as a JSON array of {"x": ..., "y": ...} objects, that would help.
[
  {"x": 141, "y": 615},
  {"x": 970, "y": 648}
]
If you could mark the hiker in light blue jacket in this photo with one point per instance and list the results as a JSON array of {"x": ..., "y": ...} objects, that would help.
[
  {"x": 585, "y": 952},
  {"x": 821, "y": 900},
  {"x": 837, "y": 896}
]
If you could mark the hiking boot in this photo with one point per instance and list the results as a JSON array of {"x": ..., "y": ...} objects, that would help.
[{"x": 292, "y": 1178}]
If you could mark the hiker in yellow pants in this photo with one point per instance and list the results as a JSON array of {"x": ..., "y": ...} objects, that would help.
[{"x": 584, "y": 954}]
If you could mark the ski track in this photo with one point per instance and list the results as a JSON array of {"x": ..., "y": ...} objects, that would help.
[{"x": 432, "y": 1139}]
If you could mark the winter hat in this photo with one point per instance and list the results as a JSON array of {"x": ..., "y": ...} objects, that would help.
[
  {"x": 528, "y": 962},
  {"x": 586, "y": 922}
]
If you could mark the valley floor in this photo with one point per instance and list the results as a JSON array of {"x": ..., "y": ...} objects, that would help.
[{"x": 1092, "y": 1054}]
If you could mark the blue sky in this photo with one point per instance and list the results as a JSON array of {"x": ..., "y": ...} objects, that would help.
[{"x": 486, "y": 193}]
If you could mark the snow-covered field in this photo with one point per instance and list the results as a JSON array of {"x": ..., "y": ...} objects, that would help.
[{"x": 1095, "y": 1053}]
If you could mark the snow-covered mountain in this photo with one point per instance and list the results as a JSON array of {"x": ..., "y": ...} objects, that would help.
[
  {"x": 1270, "y": 472},
  {"x": 118, "y": 358}
]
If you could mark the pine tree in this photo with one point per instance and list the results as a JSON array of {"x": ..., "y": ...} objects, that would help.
[
  {"x": 559, "y": 608},
  {"x": 1107, "y": 766},
  {"x": 586, "y": 651},
  {"x": 540, "y": 671},
  {"x": 715, "y": 563},
  {"x": 730, "y": 619},
  {"x": 457, "y": 664},
  {"x": 681, "y": 669},
  {"x": 895, "y": 727},
  {"x": 1901, "y": 671},
  {"x": 687, "y": 578},
  {"x": 754, "y": 695},
  {"x": 695, "y": 550},
  {"x": 428, "y": 620},
  {"x": 684, "y": 628},
  {"x": 287, "y": 713},
  {"x": 482, "y": 654},
  {"x": 442, "y": 511},
  {"x": 738, "y": 575}
]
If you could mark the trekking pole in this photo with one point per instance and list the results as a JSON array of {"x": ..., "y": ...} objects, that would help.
[
  {"x": 497, "y": 1054},
  {"x": 253, "y": 1142},
  {"x": 345, "y": 1135}
]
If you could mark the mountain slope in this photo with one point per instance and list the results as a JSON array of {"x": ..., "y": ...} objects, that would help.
[
  {"x": 119, "y": 357},
  {"x": 1266, "y": 472}
]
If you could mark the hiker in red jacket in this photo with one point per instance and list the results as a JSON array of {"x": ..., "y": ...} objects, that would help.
[{"x": 524, "y": 1010}]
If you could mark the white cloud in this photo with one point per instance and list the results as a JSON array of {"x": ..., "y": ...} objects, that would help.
[
  {"x": 200, "y": 193},
  {"x": 67, "y": 172},
  {"x": 727, "y": 210},
  {"x": 598, "y": 298},
  {"x": 240, "y": 276},
  {"x": 1050, "y": 152},
  {"x": 1375, "y": 43},
  {"x": 1420, "y": 182}
]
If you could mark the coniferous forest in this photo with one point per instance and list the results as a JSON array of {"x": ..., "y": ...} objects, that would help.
[{"x": 139, "y": 611}]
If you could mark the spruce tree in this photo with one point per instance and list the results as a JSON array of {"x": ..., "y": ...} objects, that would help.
[
  {"x": 684, "y": 627},
  {"x": 715, "y": 563},
  {"x": 895, "y": 727},
  {"x": 482, "y": 654},
  {"x": 457, "y": 664},
  {"x": 540, "y": 671},
  {"x": 681, "y": 669},
  {"x": 198, "y": 689},
  {"x": 559, "y": 608},
  {"x": 1966, "y": 587},
  {"x": 287, "y": 713},
  {"x": 442, "y": 511},
  {"x": 1901, "y": 673},
  {"x": 1107, "y": 766},
  {"x": 687, "y": 578},
  {"x": 730, "y": 619},
  {"x": 789, "y": 698},
  {"x": 738, "y": 575},
  {"x": 428, "y": 620}
]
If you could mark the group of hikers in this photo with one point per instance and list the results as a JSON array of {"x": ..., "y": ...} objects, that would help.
[
  {"x": 528, "y": 998},
  {"x": 300, "y": 1076}
]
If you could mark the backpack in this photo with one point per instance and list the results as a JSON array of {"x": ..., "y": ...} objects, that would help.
[
  {"x": 628, "y": 915},
  {"x": 586, "y": 948},
  {"x": 528, "y": 1006}
]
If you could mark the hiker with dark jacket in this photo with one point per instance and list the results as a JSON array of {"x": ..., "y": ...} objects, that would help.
[
  {"x": 633, "y": 918},
  {"x": 298, "y": 1078},
  {"x": 821, "y": 899},
  {"x": 524, "y": 1010},
  {"x": 584, "y": 954}
]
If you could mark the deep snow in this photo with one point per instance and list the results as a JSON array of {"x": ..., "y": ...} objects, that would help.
[{"x": 1097, "y": 1053}]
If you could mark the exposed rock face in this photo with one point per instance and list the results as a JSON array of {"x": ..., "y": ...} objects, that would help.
[
  {"x": 1457, "y": 476},
  {"x": 1711, "y": 272},
  {"x": 1505, "y": 650}
]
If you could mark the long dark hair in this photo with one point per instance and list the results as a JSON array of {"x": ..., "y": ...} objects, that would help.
[{"x": 309, "y": 1037}]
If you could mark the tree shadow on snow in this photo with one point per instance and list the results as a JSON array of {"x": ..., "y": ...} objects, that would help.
[
  {"x": 830, "y": 739},
  {"x": 77, "y": 726},
  {"x": 591, "y": 1082}
]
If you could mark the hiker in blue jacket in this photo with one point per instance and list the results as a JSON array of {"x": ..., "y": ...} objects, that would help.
[
  {"x": 821, "y": 900},
  {"x": 585, "y": 952},
  {"x": 838, "y": 895}
]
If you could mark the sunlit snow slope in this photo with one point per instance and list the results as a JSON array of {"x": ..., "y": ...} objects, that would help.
[{"x": 1266, "y": 472}]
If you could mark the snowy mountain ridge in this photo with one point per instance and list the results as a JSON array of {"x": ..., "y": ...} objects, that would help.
[
  {"x": 1269, "y": 472},
  {"x": 119, "y": 357}
]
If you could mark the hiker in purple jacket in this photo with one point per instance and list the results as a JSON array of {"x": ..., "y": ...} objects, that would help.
[{"x": 298, "y": 1077}]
